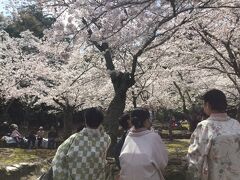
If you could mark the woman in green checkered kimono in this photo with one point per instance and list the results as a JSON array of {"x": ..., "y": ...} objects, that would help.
[{"x": 83, "y": 155}]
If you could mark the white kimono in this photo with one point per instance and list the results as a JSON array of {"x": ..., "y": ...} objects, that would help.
[
  {"x": 214, "y": 151},
  {"x": 143, "y": 156}
]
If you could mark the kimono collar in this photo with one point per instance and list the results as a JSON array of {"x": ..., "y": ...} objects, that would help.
[
  {"x": 142, "y": 132},
  {"x": 91, "y": 132},
  {"x": 219, "y": 117}
]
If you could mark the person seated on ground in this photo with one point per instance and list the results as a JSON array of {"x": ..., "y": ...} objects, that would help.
[
  {"x": 125, "y": 123},
  {"x": 40, "y": 135},
  {"x": 52, "y": 135},
  {"x": 31, "y": 139},
  {"x": 16, "y": 135},
  {"x": 144, "y": 155},
  {"x": 83, "y": 155},
  {"x": 202, "y": 163}
]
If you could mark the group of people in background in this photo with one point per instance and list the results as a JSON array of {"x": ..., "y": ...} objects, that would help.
[
  {"x": 34, "y": 139},
  {"x": 39, "y": 136},
  {"x": 141, "y": 154}
]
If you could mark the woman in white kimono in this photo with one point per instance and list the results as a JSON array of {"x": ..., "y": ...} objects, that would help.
[
  {"x": 214, "y": 150},
  {"x": 144, "y": 155}
]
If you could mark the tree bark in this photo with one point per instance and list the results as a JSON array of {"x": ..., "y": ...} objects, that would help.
[
  {"x": 238, "y": 113},
  {"x": 134, "y": 99},
  {"x": 121, "y": 83},
  {"x": 67, "y": 121}
]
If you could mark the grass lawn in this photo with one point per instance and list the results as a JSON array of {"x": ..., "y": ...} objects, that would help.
[
  {"x": 176, "y": 169},
  {"x": 177, "y": 147},
  {"x": 10, "y": 156},
  {"x": 177, "y": 150}
]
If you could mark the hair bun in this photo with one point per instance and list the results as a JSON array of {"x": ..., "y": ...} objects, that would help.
[{"x": 136, "y": 122}]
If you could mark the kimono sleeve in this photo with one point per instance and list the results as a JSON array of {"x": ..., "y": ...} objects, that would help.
[
  {"x": 59, "y": 164},
  {"x": 198, "y": 151}
]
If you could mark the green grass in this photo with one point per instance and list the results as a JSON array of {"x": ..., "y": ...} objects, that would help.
[
  {"x": 9, "y": 156},
  {"x": 186, "y": 125},
  {"x": 177, "y": 147},
  {"x": 175, "y": 131},
  {"x": 176, "y": 169}
]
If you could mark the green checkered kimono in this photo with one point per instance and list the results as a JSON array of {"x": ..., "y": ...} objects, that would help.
[{"x": 82, "y": 156}]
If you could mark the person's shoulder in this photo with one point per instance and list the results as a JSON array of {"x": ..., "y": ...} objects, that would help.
[
  {"x": 204, "y": 122},
  {"x": 204, "y": 125},
  {"x": 235, "y": 122},
  {"x": 73, "y": 136},
  {"x": 153, "y": 134}
]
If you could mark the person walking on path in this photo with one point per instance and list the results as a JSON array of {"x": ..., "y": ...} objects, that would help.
[
  {"x": 214, "y": 150},
  {"x": 144, "y": 155},
  {"x": 83, "y": 155}
]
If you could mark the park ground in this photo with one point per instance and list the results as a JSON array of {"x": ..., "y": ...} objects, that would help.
[{"x": 13, "y": 156}]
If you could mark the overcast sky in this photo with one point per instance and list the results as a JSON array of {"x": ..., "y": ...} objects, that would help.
[{"x": 13, "y": 4}]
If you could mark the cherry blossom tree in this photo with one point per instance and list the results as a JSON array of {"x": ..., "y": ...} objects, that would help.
[
  {"x": 121, "y": 32},
  {"x": 212, "y": 44},
  {"x": 124, "y": 40},
  {"x": 53, "y": 76}
]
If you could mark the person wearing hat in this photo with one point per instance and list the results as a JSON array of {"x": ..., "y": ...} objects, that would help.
[{"x": 40, "y": 135}]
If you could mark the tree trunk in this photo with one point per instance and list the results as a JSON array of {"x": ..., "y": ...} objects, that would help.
[
  {"x": 238, "y": 113},
  {"x": 170, "y": 132},
  {"x": 67, "y": 122},
  {"x": 121, "y": 83},
  {"x": 114, "y": 111},
  {"x": 134, "y": 99}
]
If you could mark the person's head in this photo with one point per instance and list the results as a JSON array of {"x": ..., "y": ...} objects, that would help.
[
  {"x": 214, "y": 102},
  {"x": 14, "y": 127},
  {"x": 40, "y": 128},
  {"x": 93, "y": 118},
  {"x": 124, "y": 121},
  {"x": 140, "y": 118}
]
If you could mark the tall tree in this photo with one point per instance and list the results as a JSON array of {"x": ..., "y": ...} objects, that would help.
[
  {"x": 122, "y": 32},
  {"x": 52, "y": 74}
]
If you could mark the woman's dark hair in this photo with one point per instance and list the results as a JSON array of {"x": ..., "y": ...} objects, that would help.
[
  {"x": 139, "y": 116},
  {"x": 216, "y": 99},
  {"x": 123, "y": 120},
  {"x": 93, "y": 117}
]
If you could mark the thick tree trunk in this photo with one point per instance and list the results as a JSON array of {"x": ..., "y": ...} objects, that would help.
[
  {"x": 114, "y": 111},
  {"x": 121, "y": 83},
  {"x": 67, "y": 120}
]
